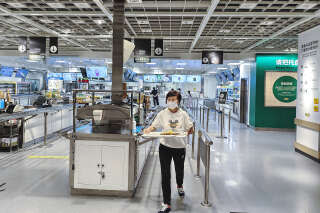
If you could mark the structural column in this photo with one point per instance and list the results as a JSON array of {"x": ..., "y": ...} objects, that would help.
[{"x": 117, "y": 49}]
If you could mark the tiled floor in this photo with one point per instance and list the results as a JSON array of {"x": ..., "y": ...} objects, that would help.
[{"x": 254, "y": 172}]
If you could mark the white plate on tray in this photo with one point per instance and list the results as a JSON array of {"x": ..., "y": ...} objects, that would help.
[{"x": 158, "y": 135}]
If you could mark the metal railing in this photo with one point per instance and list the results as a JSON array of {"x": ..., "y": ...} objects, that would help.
[
  {"x": 203, "y": 112},
  {"x": 203, "y": 154}
]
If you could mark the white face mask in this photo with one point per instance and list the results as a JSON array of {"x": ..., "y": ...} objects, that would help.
[{"x": 172, "y": 104}]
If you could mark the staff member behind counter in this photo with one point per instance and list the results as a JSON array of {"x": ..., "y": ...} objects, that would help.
[{"x": 172, "y": 119}]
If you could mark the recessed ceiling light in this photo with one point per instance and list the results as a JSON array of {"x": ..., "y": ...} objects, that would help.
[
  {"x": 146, "y": 30},
  {"x": 222, "y": 68},
  {"x": 247, "y": 5},
  {"x": 33, "y": 29},
  {"x": 82, "y": 5},
  {"x": 224, "y": 31},
  {"x": 306, "y": 6},
  {"x": 152, "y": 63},
  {"x": 179, "y": 68},
  {"x": 269, "y": 47},
  {"x": 267, "y": 23},
  {"x": 56, "y": 5},
  {"x": 60, "y": 61},
  {"x": 104, "y": 39},
  {"x": 187, "y": 22},
  {"x": 135, "y": 1},
  {"x": 17, "y": 5},
  {"x": 81, "y": 39},
  {"x": 239, "y": 41},
  {"x": 78, "y": 21},
  {"x": 99, "y": 21},
  {"x": 46, "y": 21},
  {"x": 66, "y": 31},
  {"x": 90, "y": 30},
  {"x": 212, "y": 46},
  {"x": 91, "y": 45},
  {"x": 181, "y": 64},
  {"x": 143, "y": 22}
]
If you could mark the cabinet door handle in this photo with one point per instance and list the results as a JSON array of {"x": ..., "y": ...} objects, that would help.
[
  {"x": 102, "y": 165},
  {"x": 98, "y": 165}
]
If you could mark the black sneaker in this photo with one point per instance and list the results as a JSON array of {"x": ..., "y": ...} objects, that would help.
[
  {"x": 165, "y": 208},
  {"x": 181, "y": 192}
]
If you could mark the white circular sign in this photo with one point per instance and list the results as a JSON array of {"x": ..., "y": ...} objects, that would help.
[
  {"x": 158, "y": 51},
  {"x": 205, "y": 60},
  {"x": 22, "y": 48},
  {"x": 53, "y": 49}
]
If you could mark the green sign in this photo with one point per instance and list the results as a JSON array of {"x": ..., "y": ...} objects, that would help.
[
  {"x": 285, "y": 89},
  {"x": 277, "y": 62}
]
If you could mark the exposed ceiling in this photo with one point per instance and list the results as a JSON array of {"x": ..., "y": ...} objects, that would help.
[{"x": 185, "y": 25}]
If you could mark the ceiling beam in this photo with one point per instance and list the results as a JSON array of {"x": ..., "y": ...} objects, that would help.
[
  {"x": 284, "y": 30},
  {"x": 34, "y": 24},
  {"x": 182, "y": 38},
  {"x": 161, "y": 14},
  {"x": 165, "y": 4},
  {"x": 205, "y": 20}
]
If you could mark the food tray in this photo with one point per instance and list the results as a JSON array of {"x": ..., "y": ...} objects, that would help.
[{"x": 158, "y": 135}]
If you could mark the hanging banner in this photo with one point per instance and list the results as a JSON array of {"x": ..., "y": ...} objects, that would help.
[
  {"x": 212, "y": 57},
  {"x": 53, "y": 45},
  {"x": 37, "y": 45},
  {"x": 142, "y": 50}
]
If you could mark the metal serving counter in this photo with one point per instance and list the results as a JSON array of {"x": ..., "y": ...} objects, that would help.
[
  {"x": 106, "y": 156},
  {"x": 35, "y": 125}
]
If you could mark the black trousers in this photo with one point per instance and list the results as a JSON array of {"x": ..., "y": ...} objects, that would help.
[
  {"x": 166, "y": 155},
  {"x": 156, "y": 101}
]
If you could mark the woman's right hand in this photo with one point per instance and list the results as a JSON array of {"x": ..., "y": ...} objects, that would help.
[{"x": 147, "y": 130}]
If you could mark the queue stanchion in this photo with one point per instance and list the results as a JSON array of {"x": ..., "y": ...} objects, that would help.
[
  {"x": 229, "y": 122},
  {"x": 203, "y": 116},
  {"x": 207, "y": 178},
  {"x": 208, "y": 118},
  {"x": 45, "y": 128},
  {"x": 222, "y": 124},
  {"x": 193, "y": 140},
  {"x": 198, "y": 155},
  {"x": 200, "y": 111}
]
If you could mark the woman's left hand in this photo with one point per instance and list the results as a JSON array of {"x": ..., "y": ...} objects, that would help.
[{"x": 190, "y": 131}]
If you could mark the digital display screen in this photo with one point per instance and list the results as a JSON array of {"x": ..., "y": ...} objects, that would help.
[
  {"x": 150, "y": 78},
  {"x": 70, "y": 76},
  {"x": 129, "y": 76},
  {"x": 2, "y": 104},
  {"x": 229, "y": 75},
  {"x": 236, "y": 73},
  {"x": 97, "y": 72},
  {"x": 223, "y": 77},
  {"x": 6, "y": 71},
  {"x": 55, "y": 76},
  {"x": 193, "y": 78},
  {"x": 22, "y": 73},
  {"x": 179, "y": 78},
  {"x": 166, "y": 78}
]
